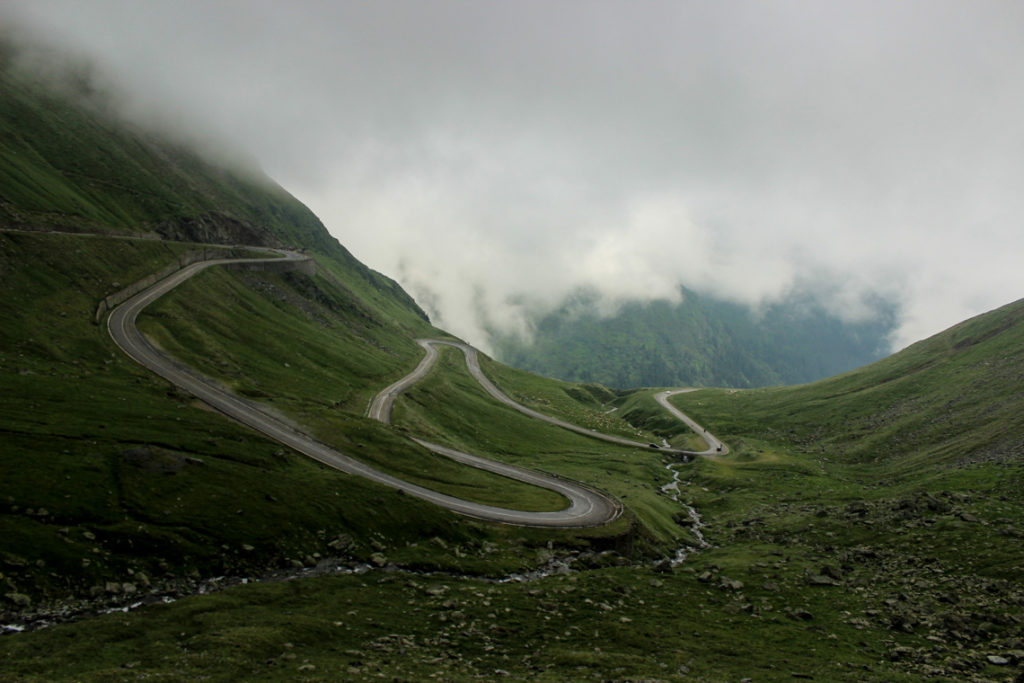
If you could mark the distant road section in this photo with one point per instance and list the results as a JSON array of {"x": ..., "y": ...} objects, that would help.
[
  {"x": 586, "y": 507},
  {"x": 715, "y": 447},
  {"x": 384, "y": 402}
]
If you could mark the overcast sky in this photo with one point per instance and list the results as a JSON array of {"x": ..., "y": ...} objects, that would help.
[{"x": 493, "y": 157}]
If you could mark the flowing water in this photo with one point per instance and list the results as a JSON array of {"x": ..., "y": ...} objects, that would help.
[{"x": 672, "y": 490}]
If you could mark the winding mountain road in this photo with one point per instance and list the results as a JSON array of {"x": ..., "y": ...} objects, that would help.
[
  {"x": 384, "y": 402},
  {"x": 587, "y": 507}
]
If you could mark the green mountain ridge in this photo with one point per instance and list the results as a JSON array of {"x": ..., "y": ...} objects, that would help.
[{"x": 701, "y": 341}]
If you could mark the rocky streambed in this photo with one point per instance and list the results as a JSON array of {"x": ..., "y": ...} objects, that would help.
[{"x": 697, "y": 524}]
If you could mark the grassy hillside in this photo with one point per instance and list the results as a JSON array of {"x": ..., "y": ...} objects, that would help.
[
  {"x": 867, "y": 527},
  {"x": 69, "y": 163},
  {"x": 948, "y": 401}
]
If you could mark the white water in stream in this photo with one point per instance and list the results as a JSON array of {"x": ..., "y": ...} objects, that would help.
[{"x": 672, "y": 489}]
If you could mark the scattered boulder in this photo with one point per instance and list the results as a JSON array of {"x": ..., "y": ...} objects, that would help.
[
  {"x": 831, "y": 572},
  {"x": 901, "y": 653},
  {"x": 19, "y": 599},
  {"x": 12, "y": 560},
  {"x": 821, "y": 580},
  {"x": 799, "y": 614},
  {"x": 341, "y": 543},
  {"x": 154, "y": 460}
]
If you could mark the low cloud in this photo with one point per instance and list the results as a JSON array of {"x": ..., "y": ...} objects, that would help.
[{"x": 497, "y": 158}]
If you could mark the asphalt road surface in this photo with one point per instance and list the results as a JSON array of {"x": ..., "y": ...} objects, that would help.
[
  {"x": 586, "y": 506},
  {"x": 715, "y": 447}
]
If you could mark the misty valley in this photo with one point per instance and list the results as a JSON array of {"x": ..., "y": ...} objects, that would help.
[{"x": 232, "y": 450}]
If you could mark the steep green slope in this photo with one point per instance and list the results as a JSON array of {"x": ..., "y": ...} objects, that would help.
[
  {"x": 67, "y": 162},
  {"x": 701, "y": 341}
]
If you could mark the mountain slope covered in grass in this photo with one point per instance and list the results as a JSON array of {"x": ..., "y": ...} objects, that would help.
[
  {"x": 68, "y": 162},
  {"x": 950, "y": 400},
  {"x": 865, "y": 527}
]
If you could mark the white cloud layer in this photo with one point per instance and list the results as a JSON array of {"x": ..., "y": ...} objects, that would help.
[{"x": 496, "y": 157}]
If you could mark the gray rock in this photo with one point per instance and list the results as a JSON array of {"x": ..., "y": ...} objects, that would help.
[
  {"x": 821, "y": 580},
  {"x": 831, "y": 571},
  {"x": 19, "y": 599},
  {"x": 901, "y": 653},
  {"x": 342, "y": 542},
  {"x": 997, "y": 660},
  {"x": 12, "y": 560}
]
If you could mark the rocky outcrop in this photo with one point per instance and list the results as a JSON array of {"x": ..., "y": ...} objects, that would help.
[{"x": 217, "y": 228}]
